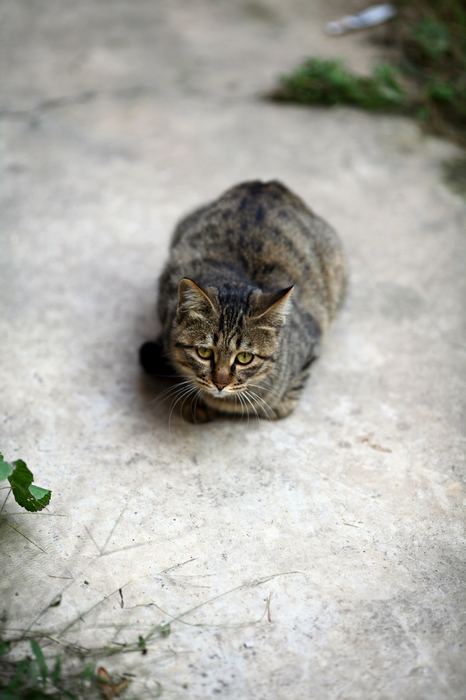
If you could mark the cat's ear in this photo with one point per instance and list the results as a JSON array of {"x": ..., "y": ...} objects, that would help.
[
  {"x": 273, "y": 308},
  {"x": 193, "y": 300}
]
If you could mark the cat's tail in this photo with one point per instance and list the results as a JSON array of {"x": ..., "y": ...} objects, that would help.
[{"x": 154, "y": 359}]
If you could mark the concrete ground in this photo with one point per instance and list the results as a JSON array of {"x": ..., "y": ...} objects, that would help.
[{"x": 315, "y": 558}]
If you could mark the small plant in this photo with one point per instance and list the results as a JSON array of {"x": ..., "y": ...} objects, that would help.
[
  {"x": 69, "y": 673},
  {"x": 26, "y": 494},
  {"x": 319, "y": 81},
  {"x": 32, "y": 679}
]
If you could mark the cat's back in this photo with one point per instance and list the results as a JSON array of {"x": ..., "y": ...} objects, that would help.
[
  {"x": 263, "y": 234},
  {"x": 249, "y": 213}
]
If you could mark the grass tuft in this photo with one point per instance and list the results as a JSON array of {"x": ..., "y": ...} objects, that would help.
[{"x": 327, "y": 82}]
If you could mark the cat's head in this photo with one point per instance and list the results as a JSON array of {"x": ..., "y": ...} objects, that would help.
[{"x": 224, "y": 338}]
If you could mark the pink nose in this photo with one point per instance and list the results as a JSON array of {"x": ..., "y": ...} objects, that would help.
[{"x": 220, "y": 379}]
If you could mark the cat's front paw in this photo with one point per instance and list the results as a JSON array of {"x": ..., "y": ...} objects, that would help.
[{"x": 198, "y": 412}]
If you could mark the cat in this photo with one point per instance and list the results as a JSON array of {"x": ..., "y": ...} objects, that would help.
[{"x": 253, "y": 281}]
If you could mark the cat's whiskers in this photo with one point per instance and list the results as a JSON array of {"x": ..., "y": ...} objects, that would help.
[
  {"x": 183, "y": 395},
  {"x": 267, "y": 384},
  {"x": 265, "y": 380},
  {"x": 170, "y": 391},
  {"x": 236, "y": 406},
  {"x": 183, "y": 391},
  {"x": 256, "y": 397},
  {"x": 245, "y": 395},
  {"x": 196, "y": 401},
  {"x": 266, "y": 389},
  {"x": 170, "y": 388},
  {"x": 205, "y": 386},
  {"x": 242, "y": 407},
  {"x": 236, "y": 403},
  {"x": 193, "y": 405}
]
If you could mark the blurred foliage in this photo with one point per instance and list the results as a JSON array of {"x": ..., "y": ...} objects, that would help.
[
  {"x": 429, "y": 37},
  {"x": 426, "y": 78},
  {"x": 319, "y": 81},
  {"x": 454, "y": 174}
]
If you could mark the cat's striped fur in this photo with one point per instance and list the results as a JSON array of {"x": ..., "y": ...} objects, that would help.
[{"x": 253, "y": 273}]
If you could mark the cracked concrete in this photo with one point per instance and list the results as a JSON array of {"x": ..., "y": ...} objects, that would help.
[{"x": 116, "y": 119}]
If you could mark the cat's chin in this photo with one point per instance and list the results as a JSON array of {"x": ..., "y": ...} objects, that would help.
[{"x": 219, "y": 395}]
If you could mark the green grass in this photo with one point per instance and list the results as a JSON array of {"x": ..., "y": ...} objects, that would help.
[
  {"x": 426, "y": 78},
  {"x": 327, "y": 82}
]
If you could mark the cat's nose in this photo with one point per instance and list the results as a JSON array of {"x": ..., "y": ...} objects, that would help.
[{"x": 220, "y": 379}]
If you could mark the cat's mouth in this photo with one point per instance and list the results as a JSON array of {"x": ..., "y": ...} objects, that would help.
[
  {"x": 224, "y": 392},
  {"x": 220, "y": 393}
]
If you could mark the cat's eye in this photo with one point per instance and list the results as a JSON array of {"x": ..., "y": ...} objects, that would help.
[
  {"x": 244, "y": 358},
  {"x": 205, "y": 353}
]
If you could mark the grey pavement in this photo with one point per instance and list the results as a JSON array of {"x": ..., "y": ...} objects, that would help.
[{"x": 320, "y": 557}]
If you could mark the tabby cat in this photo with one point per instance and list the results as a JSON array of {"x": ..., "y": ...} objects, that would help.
[{"x": 251, "y": 285}]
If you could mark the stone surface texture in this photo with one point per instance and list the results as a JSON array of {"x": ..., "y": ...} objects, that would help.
[{"x": 320, "y": 557}]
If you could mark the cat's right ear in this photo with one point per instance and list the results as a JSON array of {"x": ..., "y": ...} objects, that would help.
[
  {"x": 273, "y": 308},
  {"x": 192, "y": 300}
]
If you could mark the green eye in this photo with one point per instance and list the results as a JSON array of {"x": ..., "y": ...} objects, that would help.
[
  {"x": 205, "y": 353},
  {"x": 244, "y": 358}
]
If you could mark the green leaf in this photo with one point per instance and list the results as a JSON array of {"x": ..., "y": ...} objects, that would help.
[
  {"x": 56, "y": 601},
  {"x": 4, "y": 648},
  {"x": 39, "y": 493},
  {"x": 88, "y": 673},
  {"x": 5, "y": 470},
  {"x": 22, "y": 669},
  {"x": 442, "y": 91},
  {"x": 22, "y": 476},
  {"x": 69, "y": 694},
  {"x": 37, "y": 651},
  {"x": 30, "y": 497},
  {"x": 56, "y": 671},
  {"x": 433, "y": 37}
]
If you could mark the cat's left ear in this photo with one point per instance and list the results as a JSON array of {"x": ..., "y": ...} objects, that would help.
[
  {"x": 274, "y": 307},
  {"x": 193, "y": 300}
]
